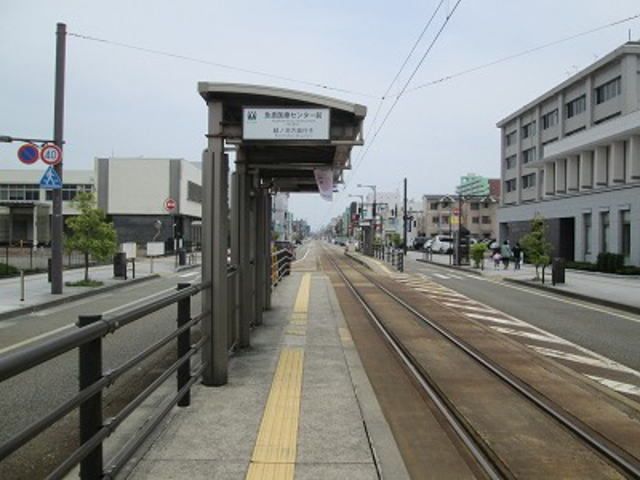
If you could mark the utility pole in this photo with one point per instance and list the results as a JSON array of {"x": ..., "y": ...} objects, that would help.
[
  {"x": 58, "y": 139},
  {"x": 405, "y": 217}
]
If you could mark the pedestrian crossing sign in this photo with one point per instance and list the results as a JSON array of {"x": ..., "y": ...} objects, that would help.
[{"x": 51, "y": 180}]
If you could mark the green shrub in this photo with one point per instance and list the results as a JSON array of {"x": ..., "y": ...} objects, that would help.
[
  {"x": 7, "y": 270},
  {"x": 610, "y": 262},
  {"x": 477, "y": 253}
]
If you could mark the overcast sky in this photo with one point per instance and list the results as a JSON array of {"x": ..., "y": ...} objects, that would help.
[{"x": 129, "y": 103}]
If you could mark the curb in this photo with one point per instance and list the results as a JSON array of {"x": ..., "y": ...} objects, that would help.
[
  {"x": 187, "y": 267},
  {"x": 452, "y": 267},
  {"x": 360, "y": 261},
  {"x": 73, "y": 298},
  {"x": 577, "y": 296}
]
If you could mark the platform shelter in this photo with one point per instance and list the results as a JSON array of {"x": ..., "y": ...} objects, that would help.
[{"x": 284, "y": 141}]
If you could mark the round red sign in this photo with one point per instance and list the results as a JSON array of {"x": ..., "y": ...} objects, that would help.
[
  {"x": 51, "y": 154},
  {"x": 170, "y": 204},
  {"x": 28, "y": 153}
]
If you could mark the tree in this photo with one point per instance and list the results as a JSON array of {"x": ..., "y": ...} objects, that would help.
[
  {"x": 90, "y": 233},
  {"x": 477, "y": 254},
  {"x": 536, "y": 247}
]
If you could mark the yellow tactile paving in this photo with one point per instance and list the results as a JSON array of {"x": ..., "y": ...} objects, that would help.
[
  {"x": 345, "y": 336},
  {"x": 277, "y": 438},
  {"x": 274, "y": 454}
]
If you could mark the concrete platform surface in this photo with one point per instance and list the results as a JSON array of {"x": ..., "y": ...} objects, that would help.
[{"x": 298, "y": 403}]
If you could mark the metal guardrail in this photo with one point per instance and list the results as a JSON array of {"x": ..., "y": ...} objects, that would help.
[
  {"x": 392, "y": 255},
  {"x": 280, "y": 265},
  {"x": 87, "y": 338}
]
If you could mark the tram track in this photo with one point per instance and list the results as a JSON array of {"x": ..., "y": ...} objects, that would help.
[{"x": 493, "y": 464}]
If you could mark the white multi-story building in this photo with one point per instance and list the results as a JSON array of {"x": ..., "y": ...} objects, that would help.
[
  {"x": 281, "y": 216},
  {"x": 573, "y": 156}
]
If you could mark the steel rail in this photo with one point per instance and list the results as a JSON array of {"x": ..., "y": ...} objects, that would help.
[
  {"x": 612, "y": 452},
  {"x": 467, "y": 438}
]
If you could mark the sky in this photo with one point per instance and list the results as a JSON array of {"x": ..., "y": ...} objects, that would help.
[{"x": 125, "y": 102}]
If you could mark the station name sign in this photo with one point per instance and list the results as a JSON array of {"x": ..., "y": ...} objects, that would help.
[{"x": 285, "y": 123}]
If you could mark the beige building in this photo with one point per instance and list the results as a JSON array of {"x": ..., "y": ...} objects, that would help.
[{"x": 439, "y": 215}]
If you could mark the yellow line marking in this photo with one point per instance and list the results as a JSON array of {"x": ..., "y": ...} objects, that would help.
[
  {"x": 274, "y": 455},
  {"x": 345, "y": 336},
  {"x": 302, "y": 300}
]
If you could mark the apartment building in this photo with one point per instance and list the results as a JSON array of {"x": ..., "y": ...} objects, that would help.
[
  {"x": 572, "y": 155},
  {"x": 478, "y": 215}
]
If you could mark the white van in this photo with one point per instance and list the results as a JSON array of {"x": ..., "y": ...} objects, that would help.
[{"x": 442, "y": 244}]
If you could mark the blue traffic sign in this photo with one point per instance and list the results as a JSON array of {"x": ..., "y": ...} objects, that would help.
[
  {"x": 51, "y": 180},
  {"x": 28, "y": 153}
]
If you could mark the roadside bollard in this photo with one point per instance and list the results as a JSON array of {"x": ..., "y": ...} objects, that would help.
[
  {"x": 151, "y": 263},
  {"x": 22, "y": 285}
]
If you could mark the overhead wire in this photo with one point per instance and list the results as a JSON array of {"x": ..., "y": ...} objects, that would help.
[
  {"x": 187, "y": 58},
  {"x": 523, "y": 53}
]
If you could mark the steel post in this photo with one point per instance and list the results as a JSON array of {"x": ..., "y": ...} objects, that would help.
[
  {"x": 244, "y": 250},
  {"x": 214, "y": 251},
  {"x": 89, "y": 372},
  {"x": 260, "y": 254},
  {"x": 251, "y": 299},
  {"x": 184, "y": 344},
  {"x": 58, "y": 138},
  {"x": 268, "y": 256}
]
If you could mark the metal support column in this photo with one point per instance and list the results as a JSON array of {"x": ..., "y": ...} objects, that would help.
[
  {"x": 260, "y": 254},
  {"x": 268, "y": 258},
  {"x": 244, "y": 250},
  {"x": 251, "y": 299},
  {"x": 214, "y": 251}
]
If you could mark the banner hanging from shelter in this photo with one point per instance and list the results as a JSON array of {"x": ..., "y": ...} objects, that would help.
[{"x": 324, "y": 180}]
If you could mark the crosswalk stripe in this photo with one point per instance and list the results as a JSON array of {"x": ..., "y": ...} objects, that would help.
[
  {"x": 439, "y": 275},
  {"x": 532, "y": 336},
  {"x": 572, "y": 357},
  {"x": 617, "y": 386}
]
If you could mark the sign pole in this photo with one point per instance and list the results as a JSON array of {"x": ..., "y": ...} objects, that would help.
[
  {"x": 58, "y": 136},
  {"x": 405, "y": 218}
]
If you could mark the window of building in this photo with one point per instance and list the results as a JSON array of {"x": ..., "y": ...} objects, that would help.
[
  {"x": 586, "y": 220},
  {"x": 576, "y": 107},
  {"x": 550, "y": 119},
  {"x": 529, "y": 181},
  {"x": 485, "y": 205},
  {"x": 625, "y": 233},
  {"x": 474, "y": 206},
  {"x": 435, "y": 220},
  {"x": 511, "y": 138},
  {"x": 529, "y": 155},
  {"x": 475, "y": 219},
  {"x": 19, "y": 192},
  {"x": 486, "y": 219},
  {"x": 445, "y": 219},
  {"x": 604, "y": 231},
  {"x": 510, "y": 185},
  {"x": 433, "y": 205},
  {"x": 445, "y": 205},
  {"x": 70, "y": 191},
  {"x": 510, "y": 162},
  {"x": 609, "y": 90},
  {"x": 529, "y": 129},
  {"x": 194, "y": 192}
]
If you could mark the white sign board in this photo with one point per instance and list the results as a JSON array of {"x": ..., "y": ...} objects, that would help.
[
  {"x": 130, "y": 248},
  {"x": 155, "y": 249},
  {"x": 285, "y": 123}
]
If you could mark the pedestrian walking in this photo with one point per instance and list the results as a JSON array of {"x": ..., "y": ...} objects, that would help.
[
  {"x": 517, "y": 256},
  {"x": 506, "y": 253},
  {"x": 496, "y": 259}
]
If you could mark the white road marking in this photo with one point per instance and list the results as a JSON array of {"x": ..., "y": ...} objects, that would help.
[
  {"x": 457, "y": 277},
  {"x": 617, "y": 386},
  {"x": 439, "y": 275},
  {"x": 532, "y": 336},
  {"x": 509, "y": 321},
  {"x": 6, "y": 324},
  {"x": 594, "y": 362},
  {"x": 189, "y": 274},
  {"x": 71, "y": 304},
  {"x": 303, "y": 257},
  {"x": 471, "y": 307},
  {"x": 36, "y": 338},
  {"x": 161, "y": 292}
]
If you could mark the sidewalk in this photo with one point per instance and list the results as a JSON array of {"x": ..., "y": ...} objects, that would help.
[
  {"x": 602, "y": 288},
  {"x": 38, "y": 289},
  {"x": 298, "y": 403}
]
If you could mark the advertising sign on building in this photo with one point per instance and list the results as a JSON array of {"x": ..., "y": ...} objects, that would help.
[{"x": 285, "y": 123}]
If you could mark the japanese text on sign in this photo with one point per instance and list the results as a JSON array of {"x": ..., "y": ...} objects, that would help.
[{"x": 285, "y": 124}]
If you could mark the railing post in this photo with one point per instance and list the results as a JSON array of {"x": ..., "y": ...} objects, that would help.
[
  {"x": 90, "y": 371},
  {"x": 184, "y": 344}
]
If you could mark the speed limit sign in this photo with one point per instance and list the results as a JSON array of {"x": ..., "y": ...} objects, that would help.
[{"x": 51, "y": 154}]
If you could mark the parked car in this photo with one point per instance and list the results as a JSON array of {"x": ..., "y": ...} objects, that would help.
[
  {"x": 442, "y": 244},
  {"x": 418, "y": 243}
]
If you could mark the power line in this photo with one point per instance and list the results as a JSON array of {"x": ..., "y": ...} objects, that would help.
[
  {"x": 404, "y": 88},
  {"x": 523, "y": 53},
  {"x": 219, "y": 65}
]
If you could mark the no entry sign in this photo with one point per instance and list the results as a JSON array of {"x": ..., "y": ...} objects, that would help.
[
  {"x": 51, "y": 154},
  {"x": 28, "y": 153},
  {"x": 170, "y": 204}
]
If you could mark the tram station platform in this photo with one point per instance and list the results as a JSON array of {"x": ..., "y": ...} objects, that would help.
[{"x": 298, "y": 403}]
